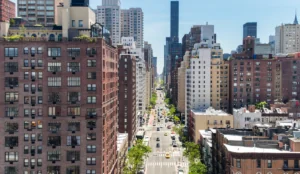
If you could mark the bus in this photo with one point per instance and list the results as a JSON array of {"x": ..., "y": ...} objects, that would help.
[{"x": 140, "y": 135}]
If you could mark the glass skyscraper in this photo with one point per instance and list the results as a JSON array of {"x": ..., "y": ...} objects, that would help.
[
  {"x": 174, "y": 20},
  {"x": 250, "y": 29}
]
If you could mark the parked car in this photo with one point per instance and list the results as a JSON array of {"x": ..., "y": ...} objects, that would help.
[
  {"x": 157, "y": 139},
  {"x": 157, "y": 145},
  {"x": 168, "y": 155},
  {"x": 157, "y": 129}
]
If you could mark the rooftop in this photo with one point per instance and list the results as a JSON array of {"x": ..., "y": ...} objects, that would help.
[
  {"x": 242, "y": 149},
  {"x": 234, "y": 137},
  {"x": 210, "y": 111}
]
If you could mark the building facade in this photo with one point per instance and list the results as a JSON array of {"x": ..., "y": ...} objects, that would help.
[
  {"x": 7, "y": 10},
  {"x": 122, "y": 151},
  {"x": 287, "y": 38},
  {"x": 181, "y": 105},
  {"x": 132, "y": 25},
  {"x": 174, "y": 21},
  {"x": 127, "y": 95},
  {"x": 109, "y": 15},
  {"x": 205, "y": 119},
  {"x": 39, "y": 12},
  {"x": 64, "y": 107},
  {"x": 250, "y": 29}
]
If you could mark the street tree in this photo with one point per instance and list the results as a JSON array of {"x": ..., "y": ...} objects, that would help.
[
  {"x": 172, "y": 110},
  {"x": 197, "y": 168},
  {"x": 135, "y": 157},
  {"x": 176, "y": 119},
  {"x": 192, "y": 151},
  {"x": 260, "y": 105}
]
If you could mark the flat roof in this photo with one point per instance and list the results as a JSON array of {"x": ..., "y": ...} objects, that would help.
[
  {"x": 205, "y": 133},
  {"x": 234, "y": 137},
  {"x": 210, "y": 111},
  {"x": 243, "y": 149}
]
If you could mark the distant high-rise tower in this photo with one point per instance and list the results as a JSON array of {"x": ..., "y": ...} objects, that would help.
[
  {"x": 296, "y": 20},
  {"x": 109, "y": 15},
  {"x": 132, "y": 25},
  {"x": 250, "y": 29},
  {"x": 174, "y": 20}
]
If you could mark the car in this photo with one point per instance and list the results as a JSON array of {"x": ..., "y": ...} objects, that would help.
[
  {"x": 154, "y": 124},
  {"x": 174, "y": 144},
  {"x": 166, "y": 134},
  {"x": 169, "y": 126},
  {"x": 180, "y": 171},
  {"x": 173, "y": 137},
  {"x": 157, "y": 129},
  {"x": 167, "y": 155},
  {"x": 157, "y": 139},
  {"x": 157, "y": 145}
]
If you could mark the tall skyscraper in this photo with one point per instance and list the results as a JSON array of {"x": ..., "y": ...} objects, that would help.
[
  {"x": 109, "y": 15},
  {"x": 132, "y": 25},
  {"x": 287, "y": 38},
  {"x": 174, "y": 20},
  {"x": 250, "y": 29},
  {"x": 38, "y": 12}
]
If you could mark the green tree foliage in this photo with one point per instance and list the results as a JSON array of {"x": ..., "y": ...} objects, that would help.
[
  {"x": 135, "y": 157},
  {"x": 153, "y": 99},
  {"x": 197, "y": 168},
  {"x": 176, "y": 119},
  {"x": 260, "y": 105},
  {"x": 172, "y": 109},
  {"x": 192, "y": 152},
  {"x": 12, "y": 22},
  {"x": 167, "y": 101}
]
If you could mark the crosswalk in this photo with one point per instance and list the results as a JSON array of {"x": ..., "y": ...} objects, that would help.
[
  {"x": 176, "y": 153},
  {"x": 168, "y": 164}
]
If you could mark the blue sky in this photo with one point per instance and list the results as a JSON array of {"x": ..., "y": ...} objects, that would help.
[{"x": 228, "y": 16}]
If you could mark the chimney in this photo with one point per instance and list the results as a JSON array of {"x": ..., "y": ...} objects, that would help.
[{"x": 251, "y": 108}]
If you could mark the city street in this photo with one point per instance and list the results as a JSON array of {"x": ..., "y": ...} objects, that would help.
[{"x": 157, "y": 163}]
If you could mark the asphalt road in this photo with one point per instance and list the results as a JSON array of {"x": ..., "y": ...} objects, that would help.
[{"x": 157, "y": 163}]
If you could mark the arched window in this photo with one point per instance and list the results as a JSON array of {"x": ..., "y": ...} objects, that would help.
[
  {"x": 33, "y": 35},
  {"x": 51, "y": 37},
  {"x": 60, "y": 37}
]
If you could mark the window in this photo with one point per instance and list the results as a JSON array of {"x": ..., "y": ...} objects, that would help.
[
  {"x": 11, "y": 52},
  {"x": 91, "y": 63},
  {"x": 53, "y": 111},
  {"x": 54, "y": 52},
  {"x": 11, "y": 111},
  {"x": 90, "y": 136},
  {"x": 26, "y": 63},
  {"x": 26, "y": 75},
  {"x": 32, "y": 162},
  {"x": 91, "y": 75},
  {"x": 269, "y": 163},
  {"x": 80, "y": 23},
  {"x": 73, "y": 155},
  {"x": 40, "y": 75},
  {"x": 91, "y": 112},
  {"x": 91, "y": 51},
  {"x": 53, "y": 156},
  {"x": 91, "y": 87},
  {"x": 39, "y": 162},
  {"x": 73, "y": 67},
  {"x": 73, "y": 97},
  {"x": 91, "y": 100},
  {"x": 54, "y": 97},
  {"x": 40, "y": 50},
  {"x": 54, "y": 141},
  {"x": 11, "y": 157},
  {"x": 11, "y": 82},
  {"x": 238, "y": 163},
  {"x": 296, "y": 164},
  {"x": 74, "y": 111},
  {"x": 26, "y": 162},
  {"x": 54, "y": 81},
  {"x": 39, "y": 149},
  {"x": 91, "y": 124},
  {"x": 54, "y": 66},
  {"x": 73, "y": 140},
  {"x": 73, "y": 23},
  {"x": 74, "y": 126},
  {"x": 73, "y": 81},
  {"x": 90, "y": 171},
  {"x": 54, "y": 127},
  {"x": 11, "y": 141},
  {"x": 91, "y": 149},
  {"x": 11, "y": 97},
  {"x": 53, "y": 169},
  {"x": 91, "y": 161},
  {"x": 73, "y": 52},
  {"x": 285, "y": 163},
  {"x": 11, "y": 67},
  {"x": 26, "y": 149},
  {"x": 40, "y": 63},
  {"x": 73, "y": 170}
]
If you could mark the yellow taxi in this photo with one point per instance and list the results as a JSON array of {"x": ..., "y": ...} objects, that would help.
[
  {"x": 168, "y": 155},
  {"x": 166, "y": 134}
]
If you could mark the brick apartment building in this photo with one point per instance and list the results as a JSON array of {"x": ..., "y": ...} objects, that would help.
[
  {"x": 7, "y": 10},
  {"x": 255, "y": 78},
  {"x": 246, "y": 151},
  {"x": 127, "y": 96},
  {"x": 59, "y": 107}
]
